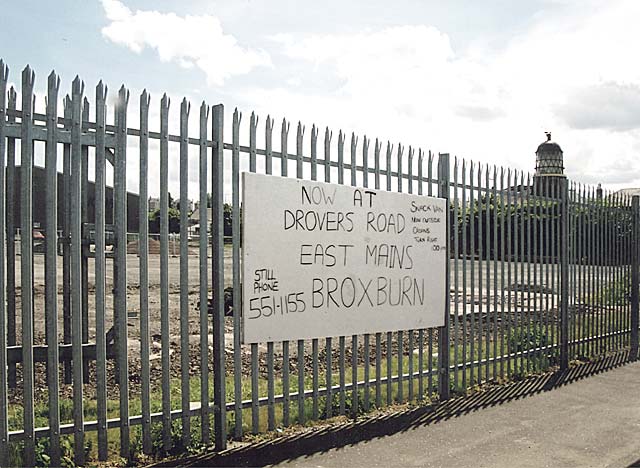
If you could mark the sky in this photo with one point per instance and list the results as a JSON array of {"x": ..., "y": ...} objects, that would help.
[{"x": 479, "y": 80}]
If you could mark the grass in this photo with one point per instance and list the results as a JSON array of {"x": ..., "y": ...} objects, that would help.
[{"x": 519, "y": 340}]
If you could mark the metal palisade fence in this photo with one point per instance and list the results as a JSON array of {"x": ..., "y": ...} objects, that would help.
[{"x": 110, "y": 344}]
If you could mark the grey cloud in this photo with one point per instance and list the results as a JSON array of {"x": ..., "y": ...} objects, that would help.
[
  {"x": 479, "y": 112},
  {"x": 610, "y": 106},
  {"x": 623, "y": 172}
]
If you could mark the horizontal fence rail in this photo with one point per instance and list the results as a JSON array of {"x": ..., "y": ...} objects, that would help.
[{"x": 121, "y": 308}]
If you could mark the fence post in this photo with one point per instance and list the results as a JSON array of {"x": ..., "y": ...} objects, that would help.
[
  {"x": 635, "y": 277},
  {"x": 564, "y": 275},
  {"x": 217, "y": 170},
  {"x": 443, "y": 332}
]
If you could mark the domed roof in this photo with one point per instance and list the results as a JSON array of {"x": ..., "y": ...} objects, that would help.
[{"x": 548, "y": 146}]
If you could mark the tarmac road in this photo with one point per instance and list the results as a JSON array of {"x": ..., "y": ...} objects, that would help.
[{"x": 591, "y": 422}]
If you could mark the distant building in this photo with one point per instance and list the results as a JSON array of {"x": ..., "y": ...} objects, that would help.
[
  {"x": 549, "y": 175},
  {"x": 154, "y": 204},
  {"x": 629, "y": 192},
  {"x": 188, "y": 204},
  {"x": 39, "y": 201}
]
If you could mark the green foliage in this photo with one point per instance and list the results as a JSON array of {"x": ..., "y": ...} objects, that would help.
[
  {"x": 533, "y": 221},
  {"x": 615, "y": 293},
  {"x": 174, "y": 221},
  {"x": 528, "y": 338},
  {"x": 42, "y": 452}
]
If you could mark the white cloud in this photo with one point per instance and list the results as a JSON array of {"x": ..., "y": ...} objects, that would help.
[
  {"x": 188, "y": 40},
  {"x": 407, "y": 83},
  {"x": 607, "y": 105}
]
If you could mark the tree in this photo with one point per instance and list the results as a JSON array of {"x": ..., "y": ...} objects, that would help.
[{"x": 174, "y": 221}]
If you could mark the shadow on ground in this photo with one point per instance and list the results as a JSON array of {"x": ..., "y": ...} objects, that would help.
[{"x": 324, "y": 439}]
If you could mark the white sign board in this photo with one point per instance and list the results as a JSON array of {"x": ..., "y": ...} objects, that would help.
[{"x": 324, "y": 260}]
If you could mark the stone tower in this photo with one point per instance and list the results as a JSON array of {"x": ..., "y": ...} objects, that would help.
[{"x": 549, "y": 174}]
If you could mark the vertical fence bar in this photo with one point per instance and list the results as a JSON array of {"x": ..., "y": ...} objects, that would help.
[
  {"x": 11, "y": 237},
  {"x": 204, "y": 276},
  {"x": 76, "y": 267},
  {"x": 341, "y": 339},
  {"x": 100, "y": 274},
  {"x": 544, "y": 263},
  {"x": 606, "y": 264},
  {"x": 4, "y": 402},
  {"x": 376, "y": 163},
  {"x": 509, "y": 260},
  {"x": 618, "y": 243},
  {"x": 583, "y": 272},
  {"x": 430, "y": 332},
  {"x": 354, "y": 338},
  {"x": 611, "y": 272},
  {"x": 421, "y": 331},
  {"x": 502, "y": 269},
  {"x": 286, "y": 364},
  {"x": 84, "y": 218},
  {"x": 523, "y": 313},
  {"x": 494, "y": 253},
  {"x": 591, "y": 279},
  {"x": 535, "y": 187},
  {"x": 271, "y": 418},
  {"x": 389, "y": 334},
  {"x": 627, "y": 254},
  {"x": 618, "y": 269},
  {"x": 314, "y": 175},
  {"x": 574, "y": 270},
  {"x": 164, "y": 273},
  {"x": 613, "y": 266},
  {"x": 481, "y": 231},
  {"x": 604, "y": 338},
  {"x": 410, "y": 332},
  {"x": 255, "y": 369},
  {"x": 602, "y": 285},
  {"x": 547, "y": 253},
  {"x": 443, "y": 332},
  {"x": 487, "y": 234},
  {"x": 400, "y": 335},
  {"x": 465, "y": 253},
  {"x": 120, "y": 221},
  {"x": 237, "y": 296},
  {"x": 185, "y": 107},
  {"x": 26, "y": 262},
  {"x": 635, "y": 275},
  {"x": 577, "y": 242},
  {"x": 143, "y": 250},
  {"x": 517, "y": 258},
  {"x": 51, "y": 258},
  {"x": 66, "y": 246},
  {"x": 366, "y": 350},
  {"x": 527, "y": 258},
  {"x": 626, "y": 264},
  {"x": 601, "y": 272},
  {"x": 328, "y": 343},
  {"x": 472, "y": 251},
  {"x": 564, "y": 265},
  {"x": 456, "y": 285},
  {"x": 217, "y": 187},
  {"x": 597, "y": 236}
]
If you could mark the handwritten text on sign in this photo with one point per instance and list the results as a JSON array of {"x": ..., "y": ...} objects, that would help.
[{"x": 329, "y": 260}]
